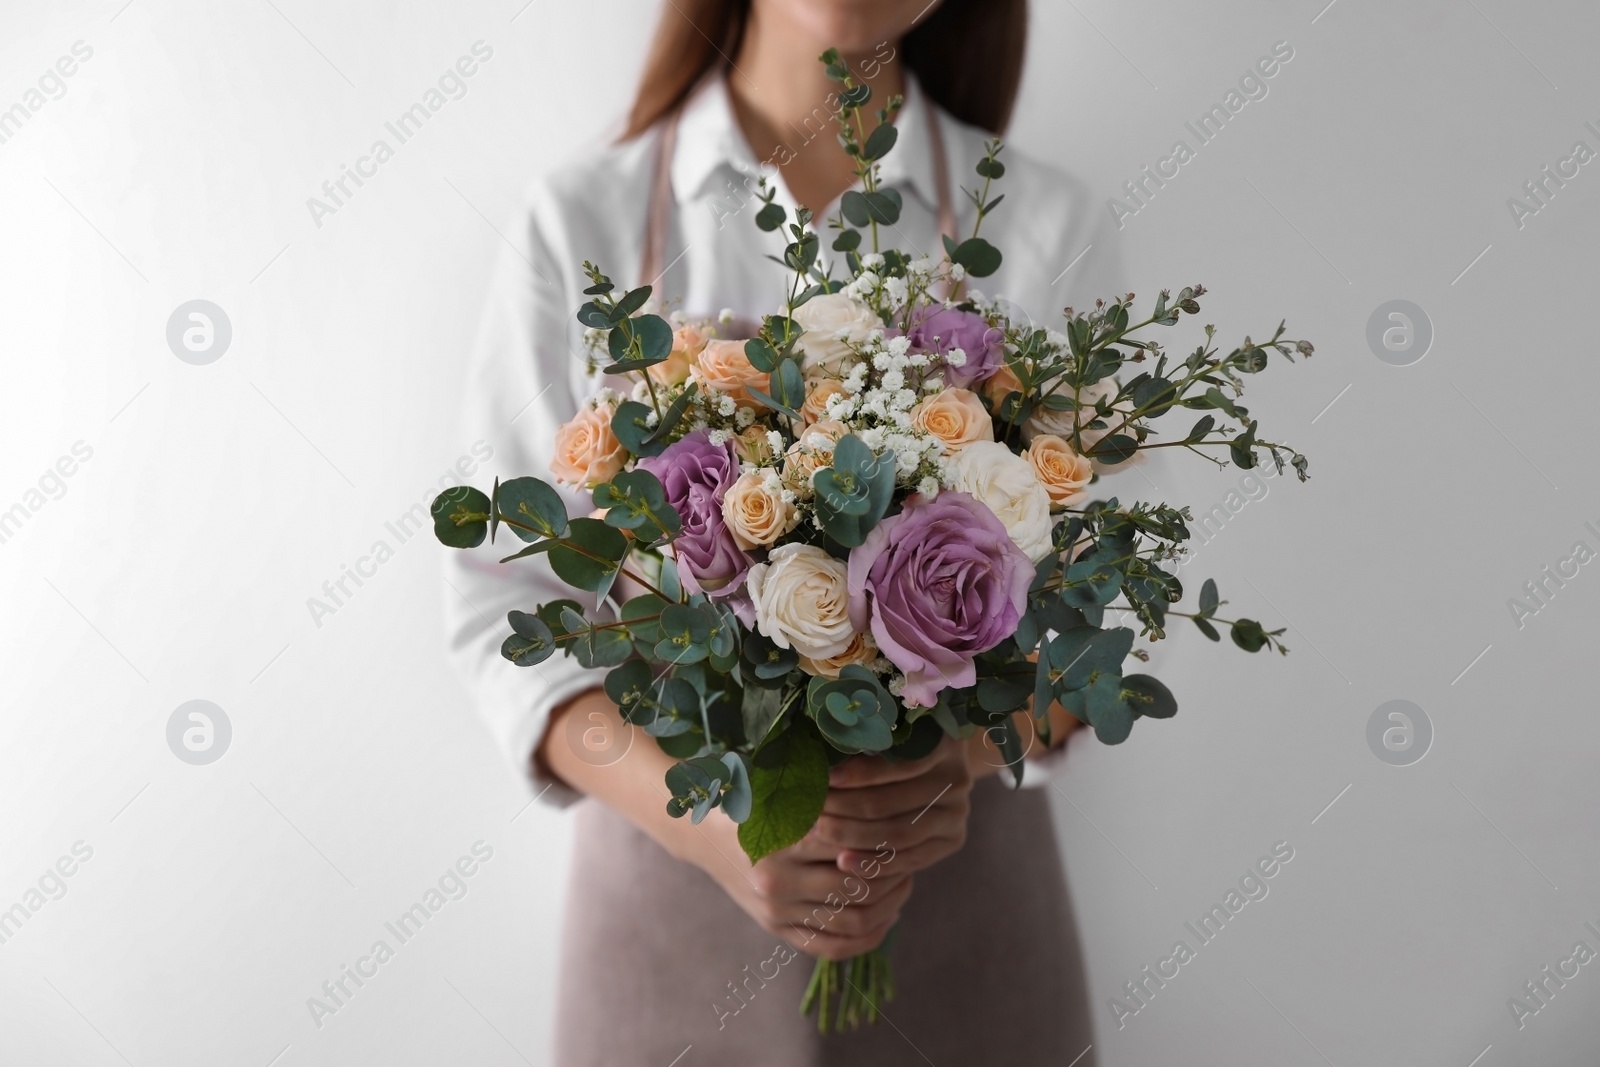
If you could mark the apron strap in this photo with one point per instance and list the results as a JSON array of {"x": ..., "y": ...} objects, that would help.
[
  {"x": 941, "y": 172},
  {"x": 659, "y": 210}
]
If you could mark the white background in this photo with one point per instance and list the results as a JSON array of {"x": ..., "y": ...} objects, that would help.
[{"x": 178, "y": 560}]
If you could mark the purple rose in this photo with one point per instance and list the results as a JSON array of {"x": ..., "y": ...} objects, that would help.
[
  {"x": 938, "y": 330},
  {"x": 937, "y": 584},
  {"x": 696, "y": 475}
]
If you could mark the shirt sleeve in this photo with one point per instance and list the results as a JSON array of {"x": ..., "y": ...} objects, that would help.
[{"x": 523, "y": 384}]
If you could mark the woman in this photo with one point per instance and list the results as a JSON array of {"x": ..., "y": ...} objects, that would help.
[{"x": 673, "y": 939}]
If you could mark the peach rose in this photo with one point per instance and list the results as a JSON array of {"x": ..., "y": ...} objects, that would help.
[
  {"x": 751, "y": 445},
  {"x": 587, "y": 452},
  {"x": 818, "y": 392},
  {"x": 1002, "y": 384},
  {"x": 1064, "y": 474},
  {"x": 724, "y": 366},
  {"x": 811, "y": 453},
  {"x": 956, "y": 417},
  {"x": 862, "y": 650},
  {"x": 756, "y": 513},
  {"x": 688, "y": 341}
]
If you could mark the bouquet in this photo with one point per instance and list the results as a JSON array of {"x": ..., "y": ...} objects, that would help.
[{"x": 875, "y": 523}]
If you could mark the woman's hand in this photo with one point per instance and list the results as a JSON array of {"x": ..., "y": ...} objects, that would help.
[
  {"x": 804, "y": 893},
  {"x": 916, "y": 811}
]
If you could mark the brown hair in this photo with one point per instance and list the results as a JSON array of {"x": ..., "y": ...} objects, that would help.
[{"x": 967, "y": 55}]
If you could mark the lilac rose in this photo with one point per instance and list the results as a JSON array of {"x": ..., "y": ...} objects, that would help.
[
  {"x": 938, "y": 584},
  {"x": 696, "y": 475},
  {"x": 939, "y": 329}
]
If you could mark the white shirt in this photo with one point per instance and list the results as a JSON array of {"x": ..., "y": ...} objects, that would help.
[{"x": 528, "y": 375}]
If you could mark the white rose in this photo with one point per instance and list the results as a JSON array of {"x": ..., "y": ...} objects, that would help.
[
  {"x": 1062, "y": 423},
  {"x": 830, "y": 321},
  {"x": 802, "y": 601},
  {"x": 1005, "y": 483}
]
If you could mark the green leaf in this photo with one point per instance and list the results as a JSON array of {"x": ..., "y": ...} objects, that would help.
[
  {"x": 1109, "y": 714},
  {"x": 602, "y": 648},
  {"x": 531, "y": 502},
  {"x": 1208, "y": 597},
  {"x": 574, "y": 562},
  {"x": 770, "y": 217},
  {"x": 631, "y": 302},
  {"x": 762, "y": 356},
  {"x": 642, "y": 608},
  {"x": 531, "y": 641},
  {"x": 991, "y": 168},
  {"x": 630, "y": 685},
  {"x": 1118, "y": 448},
  {"x": 1003, "y": 694},
  {"x": 883, "y": 206},
  {"x": 760, "y": 711},
  {"x": 461, "y": 517},
  {"x": 532, "y": 550},
  {"x": 978, "y": 256},
  {"x": 1207, "y": 629},
  {"x": 655, "y": 337},
  {"x": 788, "y": 785},
  {"x": 737, "y": 796},
  {"x": 1149, "y": 696},
  {"x": 1081, "y": 653},
  {"x": 669, "y": 421},
  {"x": 636, "y": 435},
  {"x": 853, "y": 205},
  {"x": 1248, "y": 635},
  {"x": 594, "y": 316},
  {"x": 787, "y": 385},
  {"x": 880, "y": 142},
  {"x": 855, "y": 492}
]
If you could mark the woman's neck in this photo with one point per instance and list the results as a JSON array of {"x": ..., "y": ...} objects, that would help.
[{"x": 781, "y": 99}]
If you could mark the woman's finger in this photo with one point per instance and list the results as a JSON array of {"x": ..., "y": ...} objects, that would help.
[
  {"x": 887, "y": 801},
  {"x": 918, "y": 857}
]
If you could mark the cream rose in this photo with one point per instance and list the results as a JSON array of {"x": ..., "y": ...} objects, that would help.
[
  {"x": 956, "y": 417},
  {"x": 1063, "y": 423},
  {"x": 1064, "y": 474},
  {"x": 723, "y": 366},
  {"x": 587, "y": 452},
  {"x": 862, "y": 651},
  {"x": 1005, "y": 483},
  {"x": 832, "y": 323},
  {"x": 756, "y": 513},
  {"x": 688, "y": 341},
  {"x": 802, "y": 601}
]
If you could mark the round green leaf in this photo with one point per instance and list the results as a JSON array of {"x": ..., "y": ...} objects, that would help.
[
  {"x": 460, "y": 517},
  {"x": 529, "y": 502}
]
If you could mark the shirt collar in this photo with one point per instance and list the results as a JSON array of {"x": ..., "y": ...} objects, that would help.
[{"x": 711, "y": 148}]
